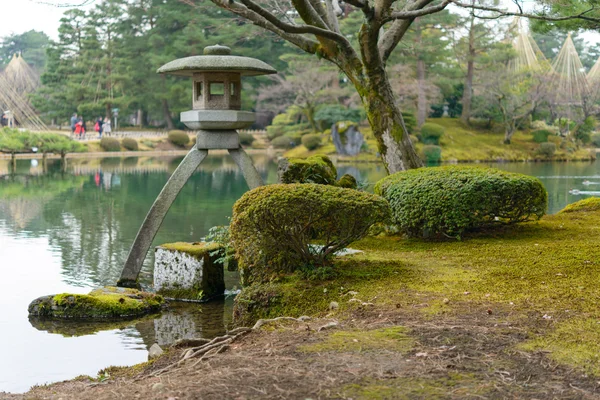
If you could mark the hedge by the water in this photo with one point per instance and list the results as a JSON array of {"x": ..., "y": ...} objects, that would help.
[
  {"x": 179, "y": 138},
  {"x": 273, "y": 227},
  {"x": 449, "y": 200}
]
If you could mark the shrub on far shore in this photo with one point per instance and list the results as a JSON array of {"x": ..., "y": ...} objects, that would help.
[
  {"x": 547, "y": 149},
  {"x": 595, "y": 139},
  {"x": 110, "y": 144},
  {"x": 179, "y": 138},
  {"x": 283, "y": 142},
  {"x": 274, "y": 228},
  {"x": 312, "y": 141},
  {"x": 130, "y": 144},
  {"x": 246, "y": 139},
  {"x": 447, "y": 201},
  {"x": 431, "y": 133},
  {"x": 432, "y": 153},
  {"x": 541, "y": 135}
]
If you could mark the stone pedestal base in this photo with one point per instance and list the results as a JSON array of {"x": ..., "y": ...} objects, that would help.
[{"x": 188, "y": 272}]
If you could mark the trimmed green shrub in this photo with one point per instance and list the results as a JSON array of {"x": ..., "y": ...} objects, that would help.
[
  {"x": 110, "y": 144},
  {"x": 179, "y": 138},
  {"x": 283, "y": 142},
  {"x": 431, "y": 133},
  {"x": 432, "y": 153},
  {"x": 450, "y": 200},
  {"x": 316, "y": 169},
  {"x": 130, "y": 144},
  {"x": 274, "y": 227},
  {"x": 246, "y": 139},
  {"x": 541, "y": 135},
  {"x": 585, "y": 129},
  {"x": 311, "y": 141},
  {"x": 547, "y": 149},
  {"x": 595, "y": 138}
]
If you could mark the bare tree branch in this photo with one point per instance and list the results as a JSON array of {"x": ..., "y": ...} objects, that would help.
[
  {"x": 289, "y": 28},
  {"x": 303, "y": 42},
  {"x": 417, "y": 13},
  {"x": 392, "y": 37},
  {"x": 543, "y": 17}
]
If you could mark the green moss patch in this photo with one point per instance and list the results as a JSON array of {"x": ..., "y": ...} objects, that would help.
[
  {"x": 392, "y": 339},
  {"x": 591, "y": 204},
  {"x": 102, "y": 303},
  {"x": 195, "y": 249},
  {"x": 461, "y": 386},
  {"x": 575, "y": 342}
]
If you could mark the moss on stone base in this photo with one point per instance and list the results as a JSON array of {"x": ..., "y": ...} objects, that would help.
[
  {"x": 105, "y": 303},
  {"x": 316, "y": 169},
  {"x": 195, "y": 249}
]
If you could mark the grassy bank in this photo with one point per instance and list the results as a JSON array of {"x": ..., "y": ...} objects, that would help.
[
  {"x": 511, "y": 313},
  {"x": 462, "y": 143}
]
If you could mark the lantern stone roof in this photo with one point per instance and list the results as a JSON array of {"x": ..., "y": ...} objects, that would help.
[{"x": 217, "y": 59}]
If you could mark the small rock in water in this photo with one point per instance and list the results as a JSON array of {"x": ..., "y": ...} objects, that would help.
[
  {"x": 334, "y": 305},
  {"x": 155, "y": 351},
  {"x": 157, "y": 387}
]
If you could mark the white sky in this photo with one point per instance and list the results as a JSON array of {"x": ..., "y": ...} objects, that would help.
[{"x": 18, "y": 16}]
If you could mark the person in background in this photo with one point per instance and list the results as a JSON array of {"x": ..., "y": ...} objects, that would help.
[
  {"x": 79, "y": 130},
  {"x": 98, "y": 127},
  {"x": 106, "y": 128},
  {"x": 74, "y": 121}
]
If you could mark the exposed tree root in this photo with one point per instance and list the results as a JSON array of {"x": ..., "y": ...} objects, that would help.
[{"x": 209, "y": 348}]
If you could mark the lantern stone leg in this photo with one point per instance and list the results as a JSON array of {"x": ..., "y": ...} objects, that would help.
[
  {"x": 244, "y": 162},
  {"x": 156, "y": 215}
]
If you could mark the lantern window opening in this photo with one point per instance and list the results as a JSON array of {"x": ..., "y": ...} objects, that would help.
[
  {"x": 217, "y": 88},
  {"x": 233, "y": 89},
  {"x": 199, "y": 90}
]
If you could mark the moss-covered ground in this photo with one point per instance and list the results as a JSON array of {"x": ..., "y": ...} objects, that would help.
[
  {"x": 510, "y": 313},
  {"x": 463, "y": 143}
]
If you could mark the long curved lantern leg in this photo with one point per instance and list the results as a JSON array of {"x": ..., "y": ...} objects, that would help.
[
  {"x": 244, "y": 162},
  {"x": 155, "y": 217}
]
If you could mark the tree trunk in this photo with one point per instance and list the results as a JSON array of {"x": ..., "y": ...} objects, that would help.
[
  {"x": 167, "y": 114},
  {"x": 385, "y": 118},
  {"x": 421, "y": 98},
  {"x": 140, "y": 117},
  {"x": 468, "y": 87},
  {"x": 510, "y": 129}
]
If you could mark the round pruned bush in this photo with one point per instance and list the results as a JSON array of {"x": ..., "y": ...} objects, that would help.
[
  {"x": 541, "y": 135},
  {"x": 179, "y": 138},
  {"x": 595, "y": 139},
  {"x": 447, "y": 201},
  {"x": 130, "y": 144},
  {"x": 431, "y": 133},
  {"x": 547, "y": 149},
  {"x": 283, "y": 142},
  {"x": 312, "y": 141},
  {"x": 246, "y": 139},
  {"x": 110, "y": 144},
  {"x": 275, "y": 228},
  {"x": 432, "y": 153}
]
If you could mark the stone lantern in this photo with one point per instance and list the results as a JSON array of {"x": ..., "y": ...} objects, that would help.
[{"x": 215, "y": 114}]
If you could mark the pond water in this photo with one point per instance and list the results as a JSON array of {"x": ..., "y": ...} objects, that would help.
[{"x": 71, "y": 231}]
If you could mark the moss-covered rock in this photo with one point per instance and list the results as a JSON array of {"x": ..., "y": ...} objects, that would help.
[
  {"x": 347, "y": 181},
  {"x": 104, "y": 303},
  {"x": 316, "y": 169},
  {"x": 591, "y": 204}
]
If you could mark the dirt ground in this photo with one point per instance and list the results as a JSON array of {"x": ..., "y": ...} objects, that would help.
[{"x": 469, "y": 354}]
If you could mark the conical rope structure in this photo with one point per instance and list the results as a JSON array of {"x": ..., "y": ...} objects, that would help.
[
  {"x": 593, "y": 78},
  {"x": 568, "y": 78},
  {"x": 17, "y": 81},
  {"x": 528, "y": 57}
]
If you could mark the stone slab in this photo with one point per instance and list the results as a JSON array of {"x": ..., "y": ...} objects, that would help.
[
  {"x": 217, "y": 119},
  {"x": 217, "y": 140}
]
